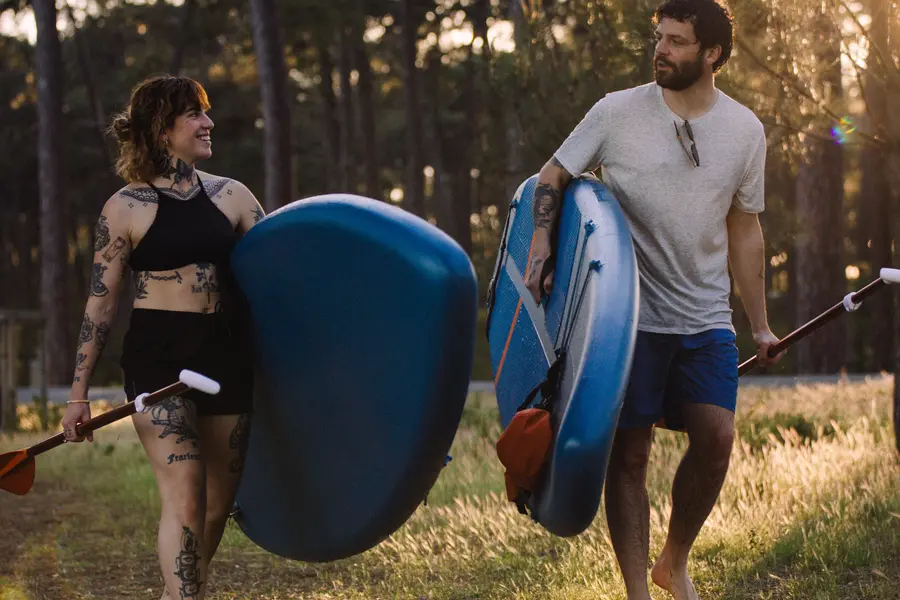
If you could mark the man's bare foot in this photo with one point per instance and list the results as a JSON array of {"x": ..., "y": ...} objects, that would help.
[{"x": 674, "y": 581}]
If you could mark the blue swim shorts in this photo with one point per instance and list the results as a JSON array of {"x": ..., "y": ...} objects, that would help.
[{"x": 669, "y": 370}]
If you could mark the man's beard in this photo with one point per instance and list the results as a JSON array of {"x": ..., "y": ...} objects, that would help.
[{"x": 679, "y": 77}]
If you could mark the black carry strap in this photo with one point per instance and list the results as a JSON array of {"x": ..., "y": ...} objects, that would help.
[
  {"x": 501, "y": 260},
  {"x": 548, "y": 387}
]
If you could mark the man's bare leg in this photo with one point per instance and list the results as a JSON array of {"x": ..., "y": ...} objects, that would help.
[
  {"x": 628, "y": 507},
  {"x": 695, "y": 491}
]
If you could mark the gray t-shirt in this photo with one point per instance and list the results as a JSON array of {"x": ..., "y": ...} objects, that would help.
[{"x": 676, "y": 210}]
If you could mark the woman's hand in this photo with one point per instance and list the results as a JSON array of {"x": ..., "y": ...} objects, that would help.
[{"x": 76, "y": 414}]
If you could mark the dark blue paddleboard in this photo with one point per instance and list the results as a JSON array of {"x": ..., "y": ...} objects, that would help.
[
  {"x": 364, "y": 318},
  {"x": 591, "y": 315}
]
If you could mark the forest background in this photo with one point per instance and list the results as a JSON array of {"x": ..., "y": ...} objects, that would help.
[{"x": 443, "y": 107}]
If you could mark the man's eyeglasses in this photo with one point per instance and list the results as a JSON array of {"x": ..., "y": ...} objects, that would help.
[{"x": 694, "y": 155}]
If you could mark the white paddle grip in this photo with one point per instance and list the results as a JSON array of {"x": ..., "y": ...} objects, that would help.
[
  {"x": 890, "y": 275},
  {"x": 139, "y": 403},
  {"x": 199, "y": 382}
]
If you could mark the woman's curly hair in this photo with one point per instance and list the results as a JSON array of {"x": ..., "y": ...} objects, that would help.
[{"x": 154, "y": 104}]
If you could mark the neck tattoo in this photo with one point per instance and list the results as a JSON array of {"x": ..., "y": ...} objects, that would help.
[{"x": 179, "y": 172}]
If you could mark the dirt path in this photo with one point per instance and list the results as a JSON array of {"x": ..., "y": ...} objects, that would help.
[
  {"x": 54, "y": 546},
  {"x": 29, "y": 528}
]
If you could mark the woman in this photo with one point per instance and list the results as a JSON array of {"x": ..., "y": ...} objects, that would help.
[{"x": 175, "y": 227}]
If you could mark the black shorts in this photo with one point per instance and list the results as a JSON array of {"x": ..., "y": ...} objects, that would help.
[{"x": 160, "y": 343}]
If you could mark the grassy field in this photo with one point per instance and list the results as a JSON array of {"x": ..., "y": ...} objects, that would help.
[{"x": 810, "y": 509}]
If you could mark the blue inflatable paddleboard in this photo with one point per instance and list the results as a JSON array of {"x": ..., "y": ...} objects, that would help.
[
  {"x": 590, "y": 319},
  {"x": 364, "y": 319}
]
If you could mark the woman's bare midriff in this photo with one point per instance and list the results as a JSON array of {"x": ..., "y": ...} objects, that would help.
[{"x": 193, "y": 288}]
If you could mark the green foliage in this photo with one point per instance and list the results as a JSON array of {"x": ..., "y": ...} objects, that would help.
[
  {"x": 39, "y": 416},
  {"x": 484, "y": 100}
]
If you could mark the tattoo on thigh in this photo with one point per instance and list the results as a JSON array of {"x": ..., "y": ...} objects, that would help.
[
  {"x": 182, "y": 457},
  {"x": 166, "y": 413},
  {"x": 238, "y": 439},
  {"x": 187, "y": 565}
]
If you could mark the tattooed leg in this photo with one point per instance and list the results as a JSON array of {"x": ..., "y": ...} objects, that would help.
[
  {"x": 225, "y": 437},
  {"x": 187, "y": 565},
  {"x": 168, "y": 432}
]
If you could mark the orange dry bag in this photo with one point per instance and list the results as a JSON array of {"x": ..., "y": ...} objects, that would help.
[{"x": 524, "y": 446}]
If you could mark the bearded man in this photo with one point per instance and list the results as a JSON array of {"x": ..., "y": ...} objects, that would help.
[{"x": 687, "y": 164}]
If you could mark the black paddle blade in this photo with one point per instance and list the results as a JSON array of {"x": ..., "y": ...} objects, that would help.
[{"x": 16, "y": 472}]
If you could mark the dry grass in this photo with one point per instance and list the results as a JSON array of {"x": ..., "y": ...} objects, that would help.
[{"x": 810, "y": 510}]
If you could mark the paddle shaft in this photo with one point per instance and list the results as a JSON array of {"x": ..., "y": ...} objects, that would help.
[
  {"x": 826, "y": 317},
  {"x": 108, "y": 417}
]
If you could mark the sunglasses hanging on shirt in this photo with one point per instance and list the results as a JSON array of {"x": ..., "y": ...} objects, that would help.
[{"x": 694, "y": 156}]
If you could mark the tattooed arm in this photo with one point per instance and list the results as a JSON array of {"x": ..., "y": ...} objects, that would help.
[
  {"x": 548, "y": 194},
  {"x": 112, "y": 246},
  {"x": 251, "y": 211}
]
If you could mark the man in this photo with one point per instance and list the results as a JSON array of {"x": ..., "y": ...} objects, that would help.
[{"x": 687, "y": 165}]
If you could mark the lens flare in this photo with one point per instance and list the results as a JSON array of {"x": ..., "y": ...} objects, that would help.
[{"x": 843, "y": 129}]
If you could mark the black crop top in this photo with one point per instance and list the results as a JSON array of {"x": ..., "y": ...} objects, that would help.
[{"x": 184, "y": 232}]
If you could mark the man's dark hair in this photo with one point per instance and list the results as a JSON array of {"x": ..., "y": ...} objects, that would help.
[{"x": 713, "y": 24}]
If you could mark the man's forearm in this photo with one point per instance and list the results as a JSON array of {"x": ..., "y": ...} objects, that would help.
[
  {"x": 548, "y": 196},
  {"x": 546, "y": 206},
  {"x": 748, "y": 264}
]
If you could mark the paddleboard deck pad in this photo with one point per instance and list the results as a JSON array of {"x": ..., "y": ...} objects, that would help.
[
  {"x": 363, "y": 318},
  {"x": 590, "y": 319}
]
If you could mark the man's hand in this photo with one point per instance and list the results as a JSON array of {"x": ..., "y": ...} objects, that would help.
[
  {"x": 539, "y": 257},
  {"x": 764, "y": 340}
]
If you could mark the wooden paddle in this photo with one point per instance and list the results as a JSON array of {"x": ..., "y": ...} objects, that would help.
[
  {"x": 17, "y": 468},
  {"x": 850, "y": 303}
]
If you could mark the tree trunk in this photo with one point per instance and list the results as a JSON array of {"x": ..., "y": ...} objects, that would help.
[
  {"x": 463, "y": 202},
  {"x": 875, "y": 196},
  {"x": 54, "y": 299},
  {"x": 329, "y": 101},
  {"x": 515, "y": 149},
  {"x": 348, "y": 122},
  {"x": 187, "y": 17},
  {"x": 893, "y": 134},
  {"x": 481, "y": 10},
  {"x": 366, "y": 106},
  {"x": 415, "y": 161},
  {"x": 441, "y": 197},
  {"x": 87, "y": 75},
  {"x": 275, "y": 108},
  {"x": 821, "y": 280}
]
